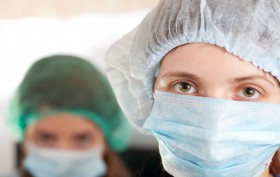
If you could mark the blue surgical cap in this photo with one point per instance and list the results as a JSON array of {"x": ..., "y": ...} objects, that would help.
[{"x": 249, "y": 29}]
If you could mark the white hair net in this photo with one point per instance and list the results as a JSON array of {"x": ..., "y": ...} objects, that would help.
[{"x": 249, "y": 29}]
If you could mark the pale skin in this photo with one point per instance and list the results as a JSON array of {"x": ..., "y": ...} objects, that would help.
[
  {"x": 65, "y": 131},
  {"x": 206, "y": 70}
]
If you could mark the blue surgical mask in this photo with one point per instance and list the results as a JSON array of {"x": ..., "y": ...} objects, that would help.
[
  {"x": 210, "y": 137},
  {"x": 43, "y": 162}
]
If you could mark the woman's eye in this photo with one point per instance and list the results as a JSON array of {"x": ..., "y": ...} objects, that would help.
[
  {"x": 46, "y": 140},
  {"x": 184, "y": 87},
  {"x": 248, "y": 92},
  {"x": 83, "y": 140}
]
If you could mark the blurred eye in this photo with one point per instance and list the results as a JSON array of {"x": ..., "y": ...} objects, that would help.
[
  {"x": 184, "y": 87},
  {"x": 83, "y": 140},
  {"x": 248, "y": 92},
  {"x": 45, "y": 140}
]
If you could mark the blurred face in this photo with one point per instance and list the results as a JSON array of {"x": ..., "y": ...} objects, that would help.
[
  {"x": 65, "y": 131},
  {"x": 209, "y": 71}
]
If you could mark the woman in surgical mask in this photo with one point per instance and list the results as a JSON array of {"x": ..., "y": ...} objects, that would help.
[
  {"x": 203, "y": 78},
  {"x": 67, "y": 118}
]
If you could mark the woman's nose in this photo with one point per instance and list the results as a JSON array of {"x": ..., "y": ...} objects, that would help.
[
  {"x": 64, "y": 145},
  {"x": 217, "y": 93}
]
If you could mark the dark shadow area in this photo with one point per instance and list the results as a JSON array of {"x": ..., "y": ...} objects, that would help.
[{"x": 144, "y": 163}]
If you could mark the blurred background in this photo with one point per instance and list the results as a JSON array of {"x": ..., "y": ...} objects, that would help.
[
  {"x": 34, "y": 8},
  {"x": 32, "y": 29}
]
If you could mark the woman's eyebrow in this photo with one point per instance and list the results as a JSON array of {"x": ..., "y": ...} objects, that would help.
[
  {"x": 43, "y": 132},
  {"x": 238, "y": 79},
  {"x": 82, "y": 133},
  {"x": 180, "y": 74},
  {"x": 254, "y": 77}
]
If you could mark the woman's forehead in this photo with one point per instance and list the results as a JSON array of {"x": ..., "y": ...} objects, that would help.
[{"x": 209, "y": 62}]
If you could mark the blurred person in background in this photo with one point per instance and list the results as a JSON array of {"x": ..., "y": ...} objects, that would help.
[{"x": 67, "y": 120}]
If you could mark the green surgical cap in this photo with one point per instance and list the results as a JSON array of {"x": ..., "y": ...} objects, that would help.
[{"x": 68, "y": 84}]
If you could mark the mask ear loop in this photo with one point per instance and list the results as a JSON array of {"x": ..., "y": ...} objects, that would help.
[
  {"x": 155, "y": 78},
  {"x": 157, "y": 72}
]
